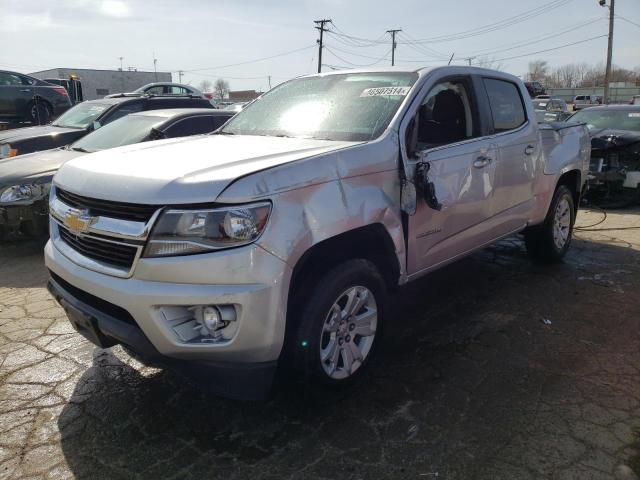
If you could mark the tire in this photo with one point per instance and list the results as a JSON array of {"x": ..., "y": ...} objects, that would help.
[
  {"x": 549, "y": 242},
  {"x": 317, "y": 334},
  {"x": 38, "y": 112}
]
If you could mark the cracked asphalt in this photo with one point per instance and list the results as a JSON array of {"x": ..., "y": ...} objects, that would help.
[{"x": 492, "y": 368}]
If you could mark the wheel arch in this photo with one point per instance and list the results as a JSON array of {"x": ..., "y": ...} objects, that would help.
[{"x": 572, "y": 179}]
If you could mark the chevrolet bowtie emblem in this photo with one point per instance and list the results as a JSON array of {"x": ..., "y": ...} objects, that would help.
[{"x": 79, "y": 221}]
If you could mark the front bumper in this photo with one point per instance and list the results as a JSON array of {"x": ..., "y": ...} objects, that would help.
[
  {"x": 247, "y": 381},
  {"x": 249, "y": 277}
]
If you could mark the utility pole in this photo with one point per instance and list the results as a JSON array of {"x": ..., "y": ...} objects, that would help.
[
  {"x": 450, "y": 59},
  {"x": 322, "y": 30},
  {"x": 155, "y": 70},
  {"x": 269, "y": 82},
  {"x": 393, "y": 44},
  {"x": 180, "y": 73},
  {"x": 607, "y": 73},
  {"x": 469, "y": 60},
  {"x": 120, "y": 62}
]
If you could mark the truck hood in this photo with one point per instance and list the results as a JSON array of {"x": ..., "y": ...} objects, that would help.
[
  {"x": 185, "y": 170},
  {"x": 18, "y": 134},
  {"x": 25, "y": 168}
]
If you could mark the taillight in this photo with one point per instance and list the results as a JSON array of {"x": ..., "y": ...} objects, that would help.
[
  {"x": 61, "y": 91},
  {"x": 208, "y": 96}
]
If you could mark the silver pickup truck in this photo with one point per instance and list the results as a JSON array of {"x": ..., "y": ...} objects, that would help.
[{"x": 272, "y": 243}]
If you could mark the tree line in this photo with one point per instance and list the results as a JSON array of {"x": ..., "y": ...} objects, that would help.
[{"x": 576, "y": 75}]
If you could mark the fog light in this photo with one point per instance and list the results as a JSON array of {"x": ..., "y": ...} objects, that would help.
[{"x": 211, "y": 319}]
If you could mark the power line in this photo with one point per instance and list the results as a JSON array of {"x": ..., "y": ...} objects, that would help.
[
  {"x": 355, "y": 64},
  {"x": 250, "y": 61},
  {"x": 627, "y": 20},
  {"x": 549, "y": 49},
  {"x": 491, "y": 27}
]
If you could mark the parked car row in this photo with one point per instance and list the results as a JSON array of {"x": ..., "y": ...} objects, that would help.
[{"x": 25, "y": 177}]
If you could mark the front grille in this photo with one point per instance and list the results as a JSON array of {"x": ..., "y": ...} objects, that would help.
[
  {"x": 107, "y": 252},
  {"x": 106, "y": 208}
]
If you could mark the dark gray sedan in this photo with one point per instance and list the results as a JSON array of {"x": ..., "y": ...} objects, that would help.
[
  {"x": 24, "y": 98},
  {"x": 25, "y": 180}
]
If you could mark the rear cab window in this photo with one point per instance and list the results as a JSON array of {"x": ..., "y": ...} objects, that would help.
[{"x": 506, "y": 104}]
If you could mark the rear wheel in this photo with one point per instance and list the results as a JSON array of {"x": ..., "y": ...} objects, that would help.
[
  {"x": 38, "y": 113},
  {"x": 339, "y": 324},
  {"x": 550, "y": 241}
]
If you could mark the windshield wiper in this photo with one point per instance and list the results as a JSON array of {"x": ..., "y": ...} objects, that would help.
[
  {"x": 222, "y": 132},
  {"x": 80, "y": 149}
]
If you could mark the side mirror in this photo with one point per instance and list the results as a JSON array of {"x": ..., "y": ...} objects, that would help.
[
  {"x": 95, "y": 126},
  {"x": 411, "y": 140}
]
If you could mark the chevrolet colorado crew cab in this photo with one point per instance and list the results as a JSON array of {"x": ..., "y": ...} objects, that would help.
[{"x": 272, "y": 243}]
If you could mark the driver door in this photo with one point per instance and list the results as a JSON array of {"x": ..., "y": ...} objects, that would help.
[{"x": 462, "y": 169}]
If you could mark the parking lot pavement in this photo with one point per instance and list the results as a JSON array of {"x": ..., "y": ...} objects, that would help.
[{"x": 491, "y": 368}]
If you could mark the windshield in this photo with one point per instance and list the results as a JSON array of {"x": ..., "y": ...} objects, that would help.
[
  {"x": 82, "y": 115},
  {"x": 124, "y": 131},
  {"x": 352, "y": 107},
  {"x": 615, "y": 119}
]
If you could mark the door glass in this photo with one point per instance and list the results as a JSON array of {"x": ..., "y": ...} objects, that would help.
[
  {"x": 506, "y": 104},
  {"x": 10, "y": 79},
  {"x": 190, "y": 126},
  {"x": 122, "y": 111},
  {"x": 445, "y": 115},
  {"x": 178, "y": 90},
  {"x": 158, "y": 90}
]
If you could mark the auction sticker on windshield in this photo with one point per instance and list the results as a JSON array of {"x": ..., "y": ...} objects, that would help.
[
  {"x": 634, "y": 114},
  {"x": 384, "y": 91}
]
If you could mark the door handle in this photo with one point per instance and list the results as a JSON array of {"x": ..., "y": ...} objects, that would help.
[
  {"x": 482, "y": 161},
  {"x": 529, "y": 149},
  {"x": 25, "y": 90}
]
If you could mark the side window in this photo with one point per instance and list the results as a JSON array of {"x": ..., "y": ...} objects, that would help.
[
  {"x": 445, "y": 115},
  {"x": 190, "y": 126},
  {"x": 10, "y": 79},
  {"x": 506, "y": 104},
  {"x": 218, "y": 121},
  {"x": 178, "y": 90},
  {"x": 121, "y": 111},
  {"x": 157, "y": 90}
]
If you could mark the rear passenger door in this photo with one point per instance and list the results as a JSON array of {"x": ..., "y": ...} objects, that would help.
[
  {"x": 15, "y": 94},
  {"x": 516, "y": 137}
]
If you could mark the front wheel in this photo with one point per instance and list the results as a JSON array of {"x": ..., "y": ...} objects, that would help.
[
  {"x": 550, "y": 241},
  {"x": 339, "y": 324}
]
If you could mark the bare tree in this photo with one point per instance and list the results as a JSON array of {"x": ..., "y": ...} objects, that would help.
[
  {"x": 538, "y": 70},
  {"x": 221, "y": 88},
  {"x": 488, "y": 62},
  {"x": 205, "y": 85}
]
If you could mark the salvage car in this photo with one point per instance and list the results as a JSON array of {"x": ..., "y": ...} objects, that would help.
[
  {"x": 24, "y": 98},
  {"x": 614, "y": 173},
  {"x": 83, "y": 118},
  {"x": 25, "y": 181},
  {"x": 535, "y": 89},
  {"x": 272, "y": 244},
  {"x": 551, "y": 110}
]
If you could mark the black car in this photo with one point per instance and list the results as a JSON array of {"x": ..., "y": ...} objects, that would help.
[
  {"x": 84, "y": 118},
  {"x": 24, "y": 98},
  {"x": 614, "y": 171},
  {"x": 25, "y": 181},
  {"x": 535, "y": 88}
]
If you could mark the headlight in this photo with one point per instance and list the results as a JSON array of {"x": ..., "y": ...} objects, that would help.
[
  {"x": 183, "y": 232},
  {"x": 7, "y": 151},
  {"x": 23, "y": 193}
]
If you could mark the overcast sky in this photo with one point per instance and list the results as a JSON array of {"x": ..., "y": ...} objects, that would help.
[{"x": 206, "y": 35}]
